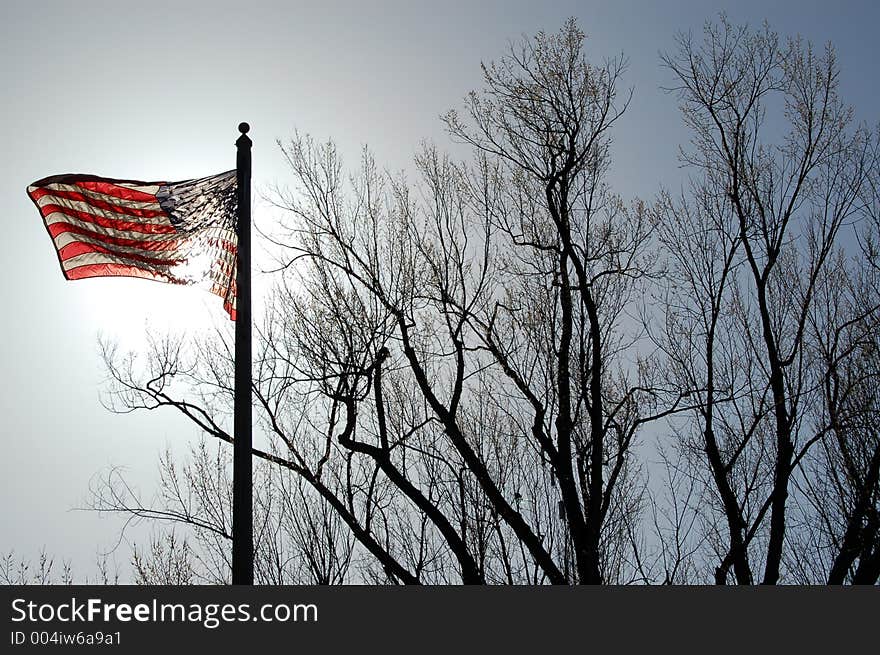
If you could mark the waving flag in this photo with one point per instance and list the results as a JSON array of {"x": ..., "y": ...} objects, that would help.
[{"x": 176, "y": 232}]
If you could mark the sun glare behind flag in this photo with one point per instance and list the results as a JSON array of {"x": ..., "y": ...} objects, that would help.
[{"x": 176, "y": 232}]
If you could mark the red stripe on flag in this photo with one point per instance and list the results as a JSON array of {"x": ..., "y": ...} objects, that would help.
[
  {"x": 110, "y": 189},
  {"x": 119, "y": 209},
  {"x": 124, "y": 270},
  {"x": 167, "y": 244},
  {"x": 115, "y": 270},
  {"x": 83, "y": 248},
  {"x": 103, "y": 221}
]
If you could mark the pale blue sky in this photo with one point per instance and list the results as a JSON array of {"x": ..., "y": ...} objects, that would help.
[{"x": 155, "y": 91}]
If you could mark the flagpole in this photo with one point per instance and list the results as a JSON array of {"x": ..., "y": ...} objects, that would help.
[{"x": 242, "y": 471}]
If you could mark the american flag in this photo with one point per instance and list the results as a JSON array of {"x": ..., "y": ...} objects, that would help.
[{"x": 177, "y": 232}]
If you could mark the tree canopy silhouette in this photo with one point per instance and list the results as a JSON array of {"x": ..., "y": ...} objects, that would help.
[{"x": 505, "y": 373}]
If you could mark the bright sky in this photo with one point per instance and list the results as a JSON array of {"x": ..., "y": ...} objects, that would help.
[{"x": 155, "y": 91}]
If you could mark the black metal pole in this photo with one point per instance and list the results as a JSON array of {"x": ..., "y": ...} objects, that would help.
[{"x": 242, "y": 471}]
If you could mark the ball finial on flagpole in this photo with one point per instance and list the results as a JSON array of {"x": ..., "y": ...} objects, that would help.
[{"x": 244, "y": 128}]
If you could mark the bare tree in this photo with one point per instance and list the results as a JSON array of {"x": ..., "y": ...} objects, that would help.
[
  {"x": 769, "y": 212},
  {"x": 455, "y": 372},
  {"x": 167, "y": 562},
  {"x": 448, "y": 365},
  {"x": 21, "y": 570},
  {"x": 577, "y": 258},
  {"x": 299, "y": 540}
]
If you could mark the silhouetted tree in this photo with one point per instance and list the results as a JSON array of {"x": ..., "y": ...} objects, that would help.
[
  {"x": 446, "y": 364},
  {"x": 780, "y": 172},
  {"x": 454, "y": 374}
]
